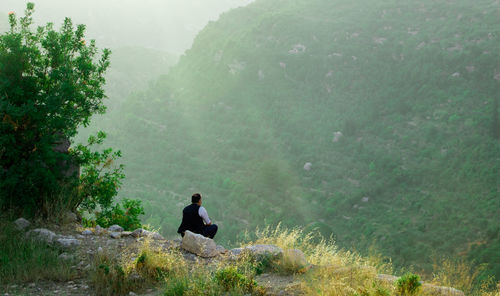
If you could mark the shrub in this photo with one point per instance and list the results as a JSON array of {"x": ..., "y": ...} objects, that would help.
[
  {"x": 408, "y": 284},
  {"x": 229, "y": 279},
  {"x": 51, "y": 82}
]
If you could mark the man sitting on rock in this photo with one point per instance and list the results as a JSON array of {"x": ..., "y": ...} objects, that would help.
[{"x": 195, "y": 219}]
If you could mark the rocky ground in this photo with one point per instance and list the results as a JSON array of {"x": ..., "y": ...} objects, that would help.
[{"x": 80, "y": 245}]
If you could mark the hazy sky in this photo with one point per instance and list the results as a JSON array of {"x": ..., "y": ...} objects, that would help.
[{"x": 164, "y": 24}]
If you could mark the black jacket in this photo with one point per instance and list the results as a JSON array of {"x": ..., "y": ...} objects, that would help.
[{"x": 191, "y": 219}]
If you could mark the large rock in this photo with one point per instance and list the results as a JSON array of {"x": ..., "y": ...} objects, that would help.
[
  {"x": 199, "y": 245},
  {"x": 42, "y": 234},
  {"x": 22, "y": 223},
  {"x": 115, "y": 234}
]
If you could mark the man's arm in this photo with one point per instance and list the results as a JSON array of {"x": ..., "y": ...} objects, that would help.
[{"x": 204, "y": 215}]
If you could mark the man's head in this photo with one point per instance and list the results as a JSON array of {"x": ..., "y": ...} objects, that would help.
[{"x": 196, "y": 198}]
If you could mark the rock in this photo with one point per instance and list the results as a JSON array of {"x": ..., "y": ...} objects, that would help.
[
  {"x": 429, "y": 289},
  {"x": 115, "y": 228},
  {"x": 126, "y": 233},
  {"x": 337, "y": 136},
  {"x": 22, "y": 223},
  {"x": 99, "y": 229},
  {"x": 132, "y": 294},
  {"x": 307, "y": 166},
  {"x": 260, "y": 251},
  {"x": 42, "y": 234},
  {"x": 138, "y": 232},
  {"x": 100, "y": 251},
  {"x": 220, "y": 249},
  {"x": 69, "y": 217},
  {"x": 115, "y": 234},
  {"x": 199, "y": 245},
  {"x": 155, "y": 235},
  {"x": 294, "y": 259},
  {"x": 365, "y": 199},
  {"x": 68, "y": 242},
  {"x": 87, "y": 232},
  {"x": 386, "y": 278}
]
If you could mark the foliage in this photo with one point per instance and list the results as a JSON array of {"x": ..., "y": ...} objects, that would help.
[
  {"x": 25, "y": 260},
  {"x": 408, "y": 284},
  {"x": 51, "y": 82},
  {"x": 229, "y": 279}
]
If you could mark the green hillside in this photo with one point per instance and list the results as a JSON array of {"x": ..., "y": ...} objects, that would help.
[{"x": 411, "y": 86}]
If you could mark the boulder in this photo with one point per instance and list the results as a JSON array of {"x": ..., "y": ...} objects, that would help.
[
  {"x": 22, "y": 223},
  {"x": 199, "y": 245},
  {"x": 115, "y": 228},
  {"x": 294, "y": 259},
  {"x": 42, "y": 234}
]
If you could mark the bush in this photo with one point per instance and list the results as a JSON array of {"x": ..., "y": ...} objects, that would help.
[
  {"x": 51, "y": 82},
  {"x": 408, "y": 284}
]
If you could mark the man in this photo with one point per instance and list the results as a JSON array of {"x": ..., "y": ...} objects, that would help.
[{"x": 195, "y": 219}]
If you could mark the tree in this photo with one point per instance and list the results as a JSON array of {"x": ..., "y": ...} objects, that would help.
[{"x": 51, "y": 82}]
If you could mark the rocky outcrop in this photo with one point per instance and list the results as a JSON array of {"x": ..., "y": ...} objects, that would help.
[
  {"x": 199, "y": 245},
  {"x": 260, "y": 251}
]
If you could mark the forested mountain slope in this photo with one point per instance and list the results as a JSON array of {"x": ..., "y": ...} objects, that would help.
[{"x": 412, "y": 86}]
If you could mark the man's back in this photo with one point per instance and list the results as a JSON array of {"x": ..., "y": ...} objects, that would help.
[{"x": 191, "y": 219}]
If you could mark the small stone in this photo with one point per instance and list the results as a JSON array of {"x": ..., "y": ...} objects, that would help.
[
  {"x": 100, "y": 250},
  {"x": 115, "y": 228},
  {"x": 131, "y": 293},
  {"x": 22, "y": 223},
  {"x": 98, "y": 229},
  {"x": 307, "y": 166},
  {"x": 87, "y": 232},
  {"x": 365, "y": 199},
  {"x": 156, "y": 236}
]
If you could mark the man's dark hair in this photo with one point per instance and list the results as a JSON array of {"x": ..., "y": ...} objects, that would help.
[{"x": 195, "y": 198}]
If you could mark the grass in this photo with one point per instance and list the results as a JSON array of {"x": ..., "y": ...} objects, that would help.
[{"x": 26, "y": 260}]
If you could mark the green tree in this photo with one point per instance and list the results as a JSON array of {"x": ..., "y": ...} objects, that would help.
[{"x": 51, "y": 82}]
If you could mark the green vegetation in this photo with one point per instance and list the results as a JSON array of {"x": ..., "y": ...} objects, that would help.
[
  {"x": 408, "y": 284},
  {"x": 411, "y": 86},
  {"x": 25, "y": 260}
]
